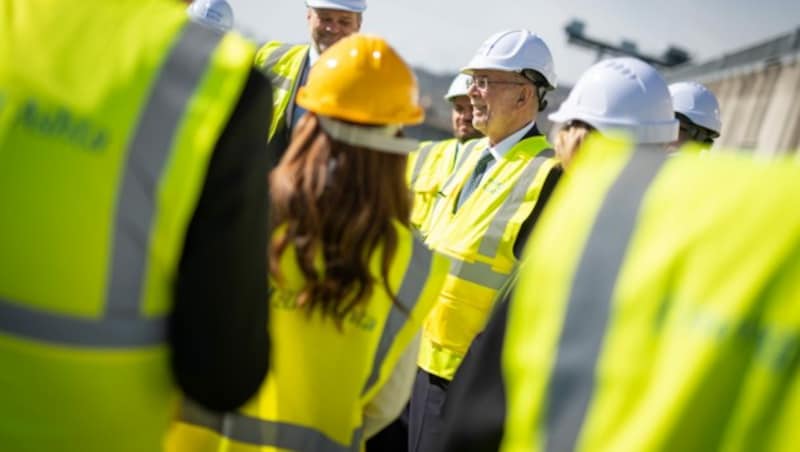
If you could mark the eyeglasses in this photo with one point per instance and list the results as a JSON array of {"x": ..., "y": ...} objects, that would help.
[{"x": 483, "y": 83}]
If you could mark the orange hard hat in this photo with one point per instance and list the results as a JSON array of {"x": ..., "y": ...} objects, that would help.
[{"x": 362, "y": 79}]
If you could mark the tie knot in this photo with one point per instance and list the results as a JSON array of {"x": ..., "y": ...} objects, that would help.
[{"x": 475, "y": 177}]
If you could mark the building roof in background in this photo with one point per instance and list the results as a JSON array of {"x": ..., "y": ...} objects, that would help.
[{"x": 782, "y": 49}]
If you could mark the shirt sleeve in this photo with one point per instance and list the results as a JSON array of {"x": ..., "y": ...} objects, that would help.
[
  {"x": 475, "y": 409},
  {"x": 393, "y": 397},
  {"x": 218, "y": 327}
]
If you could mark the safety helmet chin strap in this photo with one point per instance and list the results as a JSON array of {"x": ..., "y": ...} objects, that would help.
[
  {"x": 380, "y": 138},
  {"x": 542, "y": 87}
]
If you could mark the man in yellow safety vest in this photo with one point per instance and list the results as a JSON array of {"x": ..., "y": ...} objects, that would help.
[
  {"x": 287, "y": 65},
  {"x": 433, "y": 163},
  {"x": 484, "y": 211}
]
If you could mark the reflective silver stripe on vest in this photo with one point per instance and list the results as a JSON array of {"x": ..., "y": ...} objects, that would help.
[
  {"x": 461, "y": 160},
  {"x": 23, "y": 321},
  {"x": 490, "y": 243},
  {"x": 465, "y": 152},
  {"x": 422, "y": 155},
  {"x": 572, "y": 378},
  {"x": 276, "y": 55},
  {"x": 278, "y": 81},
  {"x": 417, "y": 273},
  {"x": 478, "y": 273},
  {"x": 122, "y": 324},
  {"x": 251, "y": 430},
  {"x": 294, "y": 85}
]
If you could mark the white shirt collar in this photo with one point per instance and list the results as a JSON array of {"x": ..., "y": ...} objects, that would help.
[
  {"x": 313, "y": 55},
  {"x": 499, "y": 150}
]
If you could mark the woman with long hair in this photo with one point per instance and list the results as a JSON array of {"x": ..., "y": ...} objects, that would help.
[{"x": 350, "y": 283}]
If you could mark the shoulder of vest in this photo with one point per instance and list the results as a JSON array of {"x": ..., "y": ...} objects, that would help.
[
  {"x": 272, "y": 45},
  {"x": 436, "y": 143},
  {"x": 535, "y": 146},
  {"x": 424, "y": 144},
  {"x": 269, "y": 48},
  {"x": 541, "y": 158},
  {"x": 477, "y": 143},
  {"x": 428, "y": 147},
  {"x": 446, "y": 143}
]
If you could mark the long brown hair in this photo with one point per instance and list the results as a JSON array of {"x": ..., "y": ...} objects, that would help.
[{"x": 337, "y": 201}]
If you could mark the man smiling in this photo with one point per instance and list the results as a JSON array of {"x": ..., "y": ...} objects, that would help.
[{"x": 485, "y": 211}]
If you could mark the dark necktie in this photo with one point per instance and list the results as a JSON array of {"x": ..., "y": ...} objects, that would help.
[{"x": 475, "y": 179}]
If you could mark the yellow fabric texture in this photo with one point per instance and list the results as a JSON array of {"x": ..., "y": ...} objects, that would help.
[
  {"x": 464, "y": 305},
  {"x": 69, "y": 107},
  {"x": 284, "y": 74},
  {"x": 319, "y": 377},
  {"x": 700, "y": 349},
  {"x": 433, "y": 172}
]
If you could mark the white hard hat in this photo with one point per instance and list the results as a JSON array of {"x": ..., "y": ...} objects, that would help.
[
  {"x": 355, "y": 6},
  {"x": 514, "y": 51},
  {"x": 216, "y": 14},
  {"x": 623, "y": 94},
  {"x": 458, "y": 87},
  {"x": 697, "y": 103}
]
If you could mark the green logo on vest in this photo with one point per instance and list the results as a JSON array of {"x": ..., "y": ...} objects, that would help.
[{"x": 60, "y": 123}]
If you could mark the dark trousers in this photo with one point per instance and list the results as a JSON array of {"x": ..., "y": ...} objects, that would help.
[
  {"x": 393, "y": 438},
  {"x": 425, "y": 419}
]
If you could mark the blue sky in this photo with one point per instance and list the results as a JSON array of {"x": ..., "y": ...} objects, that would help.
[{"x": 442, "y": 35}]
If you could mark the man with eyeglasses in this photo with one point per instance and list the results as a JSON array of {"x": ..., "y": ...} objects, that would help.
[
  {"x": 287, "y": 65},
  {"x": 485, "y": 211},
  {"x": 697, "y": 109}
]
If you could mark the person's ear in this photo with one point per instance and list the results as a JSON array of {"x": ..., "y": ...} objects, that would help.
[{"x": 522, "y": 96}]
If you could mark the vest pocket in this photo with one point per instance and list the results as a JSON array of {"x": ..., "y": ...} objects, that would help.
[{"x": 459, "y": 314}]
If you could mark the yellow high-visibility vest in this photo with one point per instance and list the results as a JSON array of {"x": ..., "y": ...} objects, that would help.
[
  {"x": 479, "y": 240},
  {"x": 282, "y": 63},
  {"x": 109, "y": 113},
  {"x": 321, "y": 378},
  {"x": 660, "y": 311},
  {"x": 429, "y": 167}
]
